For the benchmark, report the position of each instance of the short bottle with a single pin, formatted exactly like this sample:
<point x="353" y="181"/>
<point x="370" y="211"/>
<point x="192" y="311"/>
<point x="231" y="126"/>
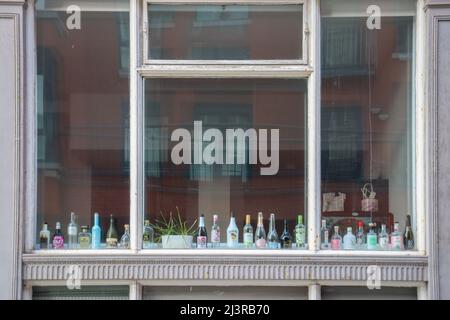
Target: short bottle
<point x="215" y="232"/>
<point x="286" y="239"/>
<point x="336" y="239"/>
<point x="272" y="236"/>
<point x="84" y="238"/>
<point x="396" y="238"/>
<point x="44" y="237"/>
<point x="260" y="233"/>
<point x="125" y="239"/>
<point x="248" y="232"/>
<point x="96" y="232"/>
<point x="349" y="240"/>
<point x="232" y="233"/>
<point x="324" y="236"/>
<point x="383" y="238"/>
<point x="112" y="236"/>
<point x="360" y="235"/>
<point x="58" y="238"/>
<point x="202" y="234"/>
<point x="300" y="233"/>
<point x="72" y="232"/>
<point x="372" y="239"/>
<point x="148" y="235"/>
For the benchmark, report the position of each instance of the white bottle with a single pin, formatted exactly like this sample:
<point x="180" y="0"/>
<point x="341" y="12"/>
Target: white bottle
<point x="72" y="232"/>
<point x="349" y="240"/>
<point x="232" y="233"/>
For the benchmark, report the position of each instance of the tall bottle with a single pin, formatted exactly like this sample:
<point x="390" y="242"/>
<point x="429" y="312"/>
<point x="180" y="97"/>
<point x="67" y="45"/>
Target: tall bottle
<point x="336" y="239"/>
<point x="202" y="234"/>
<point x="44" y="237"/>
<point x="96" y="232"/>
<point x="300" y="233"/>
<point x="125" y="239"/>
<point x="360" y="235"/>
<point x="215" y="232"/>
<point x="232" y="233"/>
<point x="72" y="232"/>
<point x="408" y="238"/>
<point x="272" y="236"/>
<point x="324" y="236"/>
<point x="260" y="233"/>
<point x="383" y="238"/>
<point x="248" y="232"/>
<point x="372" y="239"/>
<point x="349" y="240"/>
<point x="148" y="235"/>
<point x="286" y="239"/>
<point x="396" y="238"/>
<point x="58" y="238"/>
<point x="112" y="236"/>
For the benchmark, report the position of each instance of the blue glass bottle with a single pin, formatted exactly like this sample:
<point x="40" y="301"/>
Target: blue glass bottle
<point x="96" y="232"/>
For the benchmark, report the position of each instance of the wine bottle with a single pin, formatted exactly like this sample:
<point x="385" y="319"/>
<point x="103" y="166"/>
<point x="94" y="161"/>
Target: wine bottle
<point x="349" y="240"/>
<point x="72" y="231"/>
<point x="84" y="238"/>
<point x="372" y="239"/>
<point x="408" y="238"/>
<point x="324" y="235"/>
<point x="260" y="234"/>
<point x="125" y="239"/>
<point x="202" y="234"/>
<point x="286" y="239"/>
<point x="232" y="233"/>
<point x="300" y="232"/>
<point x="272" y="236"/>
<point x="396" y="238"/>
<point x="215" y="232"/>
<point x="148" y="235"/>
<point x="383" y="238"/>
<point x="336" y="239"/>
<point x="248" y="232"/>
<point x="44" y="237"/>
<point x="58" y="238"/>
<point x="112" y="236"/>
<point x="96" y="232"/>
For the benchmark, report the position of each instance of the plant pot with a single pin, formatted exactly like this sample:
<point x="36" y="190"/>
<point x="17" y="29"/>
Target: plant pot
<point x="176" y="242"/>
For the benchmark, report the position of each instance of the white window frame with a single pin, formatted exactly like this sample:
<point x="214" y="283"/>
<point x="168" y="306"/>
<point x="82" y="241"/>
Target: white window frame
<point x="140" y="70"/>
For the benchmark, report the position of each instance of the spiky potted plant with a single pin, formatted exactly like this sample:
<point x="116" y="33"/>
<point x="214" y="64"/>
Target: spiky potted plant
<point x="173" y="232"/>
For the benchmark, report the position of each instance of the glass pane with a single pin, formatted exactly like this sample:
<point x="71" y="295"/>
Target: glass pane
<point x="83" y="104"/>
<point x="363" y="293"/>
<point x="225" y="32"/>
<point x="195" y="165"/>
<point x="368" y="126"/>
<point x="83" y="293"/>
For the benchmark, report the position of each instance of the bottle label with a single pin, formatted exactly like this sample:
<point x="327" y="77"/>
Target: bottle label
<point x="72" y="230"/>
<point x="202" y="242"/>
<point x="410" y="244"/>
<point x="326" y="237"/>
<point x="349" y="243"/>
<point x="371" y="241"/>
<point x="95" y="240"/>
<point x="360" y="240"/>
<point x="58" y="242"/>
<point x="248" y="238"/>
<point x="261" y="243"/>
<point x="396" y="242"/>
<point x="84" y="242"/>
<point x="300" y="237"/>
<point x="335" y="244"/>
<point x="43" y="243"/>
<point x="273" y="245"/>
<point x="232" y="236"/>
<point x="383" y="242"/>
<point x="215" y="236"/>
<point x="111" y="242"/>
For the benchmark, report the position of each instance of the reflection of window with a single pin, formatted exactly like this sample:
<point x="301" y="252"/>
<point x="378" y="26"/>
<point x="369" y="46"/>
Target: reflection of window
<point x="124" y="46"/>
<point x="221" y="15"/>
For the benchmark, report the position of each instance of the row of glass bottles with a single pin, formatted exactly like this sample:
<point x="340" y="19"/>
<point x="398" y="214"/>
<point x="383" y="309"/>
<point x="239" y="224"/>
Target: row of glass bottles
<point x="251" y="239"/>
<point x="370" y="241"/>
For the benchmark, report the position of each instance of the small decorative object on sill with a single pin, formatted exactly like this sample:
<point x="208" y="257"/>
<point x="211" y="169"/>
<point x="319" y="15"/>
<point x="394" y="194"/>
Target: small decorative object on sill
<point x="333" y="201"/>
<point x="368" y="202"/>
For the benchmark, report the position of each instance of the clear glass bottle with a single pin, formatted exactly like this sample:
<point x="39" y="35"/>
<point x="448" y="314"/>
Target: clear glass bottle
<point x="125" y="239"/>
<point x="215" y="232"/>
<point x="336" y="239"/>
<point x="232" y="233"/>
<point x="148" y="237"/>
<point x="286" y="239"/>
<point x="360" y="236"/>
<point x="44" y="237"/>
<point x="202" y="234"/>
<point x="96" y="232"/>
<point x="300" y="233"/>
<point x="58" y="238"/>
<point x="72" y="232"/>
<point x="260" y="233"/>
<point x="372" y="239"/>
<point x="383" y="238"/>
<point x="324" y="236"/>
<point x="396" y="238"/>
<point x="84" y="238"/>
<point x="349" y="240"/>
<point x="248" y="232"/>
<point x="272" y="236"/>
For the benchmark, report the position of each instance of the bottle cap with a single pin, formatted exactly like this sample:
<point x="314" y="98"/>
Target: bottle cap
<point x="349" y="229"/>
